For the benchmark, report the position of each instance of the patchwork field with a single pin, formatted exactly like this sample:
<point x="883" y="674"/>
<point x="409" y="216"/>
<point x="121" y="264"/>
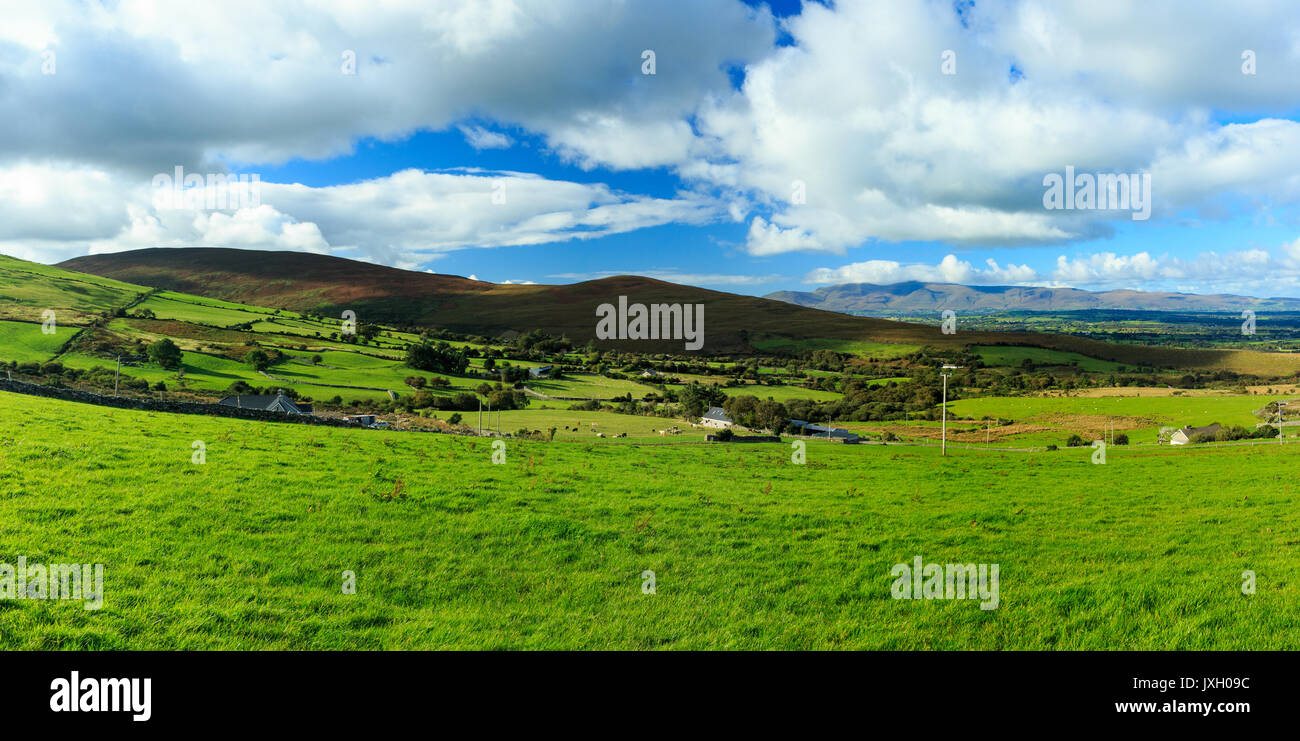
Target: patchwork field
<point x="866" y="349"/>
<point x="778" y="393"/>
<point x="1143" y="415"/>
<point x="248" y="550"/>
<point x="585" y="425"/>
<point x="1014" y="356"/>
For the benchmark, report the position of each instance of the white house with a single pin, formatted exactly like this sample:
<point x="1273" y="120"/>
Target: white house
<point x="716" y="417"/>
<point x="1185" y="434"/>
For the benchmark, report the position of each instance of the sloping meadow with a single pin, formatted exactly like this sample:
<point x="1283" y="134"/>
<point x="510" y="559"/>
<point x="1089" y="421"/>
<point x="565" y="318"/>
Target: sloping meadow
<point x="226" y="534"/>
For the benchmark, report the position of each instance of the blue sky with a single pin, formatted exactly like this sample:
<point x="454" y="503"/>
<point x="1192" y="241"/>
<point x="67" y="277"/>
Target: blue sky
<point x="775" y="146"/>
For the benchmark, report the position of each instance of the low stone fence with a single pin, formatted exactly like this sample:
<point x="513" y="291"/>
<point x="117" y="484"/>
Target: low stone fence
<point x="744" y="439"/>
<point x="173" y="407"/>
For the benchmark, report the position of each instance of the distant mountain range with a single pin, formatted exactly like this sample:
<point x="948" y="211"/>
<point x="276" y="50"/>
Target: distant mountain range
<point x="869" y="299"/>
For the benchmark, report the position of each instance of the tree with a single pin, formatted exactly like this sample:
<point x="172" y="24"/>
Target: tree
<point x="454" y="419"/>
<point x="696" y="398"/>
<point x="258" y="359"/>
<point x="165" y="353"/>
<point x="436" y="357"/>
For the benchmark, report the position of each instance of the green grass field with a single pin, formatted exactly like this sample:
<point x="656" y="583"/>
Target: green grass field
<point x="1145" y="415"/>
<point x="25" y="342"/>
<point x="881" y="350"/>
<point x="779" y="393"/>
<point x="1004" y="355"/>
<point x="583" y="425"/>
<point x="27" y="289"/>
<point x="179" y="306"/>
<point x="749" y="551"/>
<point x="587" y="386"/>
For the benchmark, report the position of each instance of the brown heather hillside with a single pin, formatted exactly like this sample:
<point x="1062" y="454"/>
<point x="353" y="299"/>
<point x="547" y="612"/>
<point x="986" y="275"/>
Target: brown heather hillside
<point x="328" y="285"/>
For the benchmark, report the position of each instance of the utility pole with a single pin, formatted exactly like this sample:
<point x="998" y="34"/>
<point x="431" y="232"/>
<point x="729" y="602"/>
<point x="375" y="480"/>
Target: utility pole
<point x="480" y="418"/>
<point x="1280" y="404"/>
<point x="944" y="434"/>
<point x="117" y="374"/>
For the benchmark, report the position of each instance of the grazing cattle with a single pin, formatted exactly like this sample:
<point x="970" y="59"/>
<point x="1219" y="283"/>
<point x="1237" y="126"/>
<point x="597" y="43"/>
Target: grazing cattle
<point x="600" y="434"/>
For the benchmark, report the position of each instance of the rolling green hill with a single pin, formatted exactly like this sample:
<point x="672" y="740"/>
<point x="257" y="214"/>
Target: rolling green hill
<point x="733" y="323"/>
<point x="28" y="289"/>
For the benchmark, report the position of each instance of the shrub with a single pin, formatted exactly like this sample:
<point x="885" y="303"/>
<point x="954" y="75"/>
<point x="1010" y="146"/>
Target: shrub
<point x="1074" y="441"/>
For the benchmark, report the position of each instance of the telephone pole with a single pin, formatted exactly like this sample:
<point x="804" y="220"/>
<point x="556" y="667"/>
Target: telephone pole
<point x="944" y="434"/>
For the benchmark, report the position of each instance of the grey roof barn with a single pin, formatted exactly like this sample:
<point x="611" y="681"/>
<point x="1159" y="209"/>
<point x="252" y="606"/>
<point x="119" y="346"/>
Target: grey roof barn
<point x="268" y="402"/>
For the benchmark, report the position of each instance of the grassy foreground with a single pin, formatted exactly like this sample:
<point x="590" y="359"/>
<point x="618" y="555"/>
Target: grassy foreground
<point x="247" y="550"/>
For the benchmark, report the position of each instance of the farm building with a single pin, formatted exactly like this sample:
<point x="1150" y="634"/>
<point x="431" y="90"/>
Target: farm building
<point x="542" y="371"/>
<point x="716" y="417"/>
<point x="1184" y="435"/>
<point x="277" y="402"/>
<point x="800" y="427"/>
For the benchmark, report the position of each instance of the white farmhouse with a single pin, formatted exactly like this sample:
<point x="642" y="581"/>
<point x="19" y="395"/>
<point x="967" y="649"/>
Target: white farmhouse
<point x="716" y="417"/>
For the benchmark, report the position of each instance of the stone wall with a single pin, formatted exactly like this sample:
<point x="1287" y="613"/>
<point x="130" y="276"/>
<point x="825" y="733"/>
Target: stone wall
<point x="744" y="439"/>
<point x="173" y="407"/>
